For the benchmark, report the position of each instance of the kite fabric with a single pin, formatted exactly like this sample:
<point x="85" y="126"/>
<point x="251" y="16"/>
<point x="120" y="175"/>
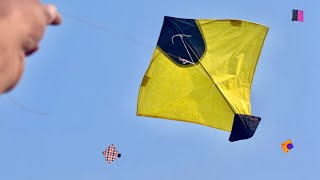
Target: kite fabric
<point x="201" y="72"/>
<point x="287" y="146"/>
<point x="111" y="154"/>
<point x="297" y="15"/>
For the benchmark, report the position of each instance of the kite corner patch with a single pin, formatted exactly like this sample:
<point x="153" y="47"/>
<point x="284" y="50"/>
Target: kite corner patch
<point x="145" y="81"/>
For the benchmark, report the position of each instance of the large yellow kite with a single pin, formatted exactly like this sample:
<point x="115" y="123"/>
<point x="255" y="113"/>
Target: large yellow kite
<point x="201" y="72"/>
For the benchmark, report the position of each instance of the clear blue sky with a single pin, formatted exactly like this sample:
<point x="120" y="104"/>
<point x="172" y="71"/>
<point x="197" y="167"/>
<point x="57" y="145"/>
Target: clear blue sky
<point x="87" y="80"/>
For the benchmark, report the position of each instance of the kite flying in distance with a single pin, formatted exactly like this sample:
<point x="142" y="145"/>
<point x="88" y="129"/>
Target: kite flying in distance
<point x="201" y="72"/>
<point x="287" y="146"/>
<point x="111" y="154"/>
<point x="297" y="15"/>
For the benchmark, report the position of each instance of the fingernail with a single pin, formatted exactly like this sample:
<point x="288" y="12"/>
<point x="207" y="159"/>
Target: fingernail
<point x="53" y="13"/>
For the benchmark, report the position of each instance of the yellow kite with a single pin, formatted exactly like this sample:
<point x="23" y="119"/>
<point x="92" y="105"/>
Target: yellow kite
<point x="201" y="72"/>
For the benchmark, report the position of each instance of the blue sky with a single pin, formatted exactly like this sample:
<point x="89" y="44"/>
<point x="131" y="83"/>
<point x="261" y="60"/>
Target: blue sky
<point x="87" y="80"/>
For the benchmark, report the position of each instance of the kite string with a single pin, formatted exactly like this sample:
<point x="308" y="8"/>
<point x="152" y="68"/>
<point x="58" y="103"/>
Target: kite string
<point x="24" y="107"/>
<point x="105" y="29"/>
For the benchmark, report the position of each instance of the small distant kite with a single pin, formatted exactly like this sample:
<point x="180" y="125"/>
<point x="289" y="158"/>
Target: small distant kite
<point x="297" y="15"/>
<point x="287" y="146"/>
<point x="111" y="154"/>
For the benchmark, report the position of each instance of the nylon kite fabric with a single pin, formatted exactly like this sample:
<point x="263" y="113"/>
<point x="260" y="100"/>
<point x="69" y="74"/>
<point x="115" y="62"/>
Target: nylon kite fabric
<point x="201" y="72"/>
<point x="111" y="154"/>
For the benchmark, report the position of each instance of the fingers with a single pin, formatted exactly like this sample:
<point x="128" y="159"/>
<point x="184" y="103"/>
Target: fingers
<point x="49" y="17"/>
<point x="53" y="17"/>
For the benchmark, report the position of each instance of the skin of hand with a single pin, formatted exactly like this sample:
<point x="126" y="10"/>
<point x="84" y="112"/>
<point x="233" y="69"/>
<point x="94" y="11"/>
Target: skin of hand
<point x="22" y="26"/>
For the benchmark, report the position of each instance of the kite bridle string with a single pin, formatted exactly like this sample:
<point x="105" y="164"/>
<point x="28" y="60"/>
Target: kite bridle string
<point x="184" y="60"/>
<point x="184" y="44"/>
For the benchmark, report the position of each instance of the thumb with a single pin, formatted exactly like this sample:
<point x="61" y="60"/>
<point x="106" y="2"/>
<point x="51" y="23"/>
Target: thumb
<point x="54" y="17"/>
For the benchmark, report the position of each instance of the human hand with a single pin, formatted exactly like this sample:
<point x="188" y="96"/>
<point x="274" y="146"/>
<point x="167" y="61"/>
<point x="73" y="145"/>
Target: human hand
<point x="22" y="26"/>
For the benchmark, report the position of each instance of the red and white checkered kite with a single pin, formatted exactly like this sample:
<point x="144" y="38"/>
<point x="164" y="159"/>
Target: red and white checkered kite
<point x="111" y="153"/>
